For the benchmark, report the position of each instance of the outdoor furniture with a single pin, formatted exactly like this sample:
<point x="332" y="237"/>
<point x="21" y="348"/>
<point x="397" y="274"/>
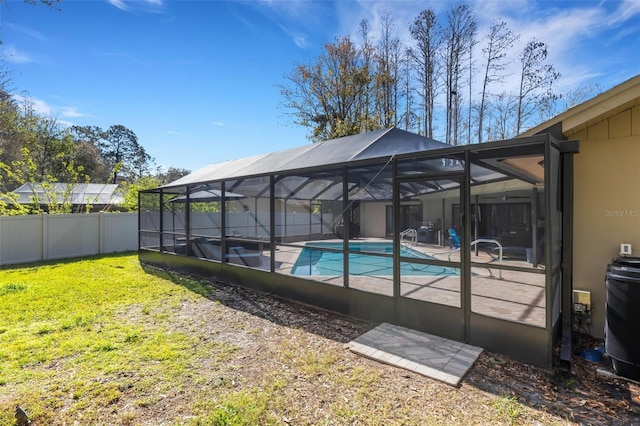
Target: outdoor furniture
<point x="237" y="254"/>
<point x="454" y="239"/>
<point x="204" y="248"/>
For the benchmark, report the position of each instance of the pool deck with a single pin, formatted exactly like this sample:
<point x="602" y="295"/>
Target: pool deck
<point x="509" y="295"/>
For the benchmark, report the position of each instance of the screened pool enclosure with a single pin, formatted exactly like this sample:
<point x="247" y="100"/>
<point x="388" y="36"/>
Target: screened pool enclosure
<point x="464" y="242"/>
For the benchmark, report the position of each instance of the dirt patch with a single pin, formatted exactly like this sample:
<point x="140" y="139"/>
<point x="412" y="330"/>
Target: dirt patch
<point x="274" y="339"/>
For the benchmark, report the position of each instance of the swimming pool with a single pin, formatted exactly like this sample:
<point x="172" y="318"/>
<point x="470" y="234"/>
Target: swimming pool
<point x="314" y="261"/>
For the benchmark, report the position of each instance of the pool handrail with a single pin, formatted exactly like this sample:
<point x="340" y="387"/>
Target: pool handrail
<point x="411" y="233"/>
<point x="484" y="240"/>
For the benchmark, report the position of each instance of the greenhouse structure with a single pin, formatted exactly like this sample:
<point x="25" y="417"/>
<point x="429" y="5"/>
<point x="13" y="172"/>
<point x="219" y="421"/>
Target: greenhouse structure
<point x="471" y="242"/>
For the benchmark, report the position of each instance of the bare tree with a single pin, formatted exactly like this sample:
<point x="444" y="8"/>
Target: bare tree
<point x="428" y="36"/>
<point x="459" y="38"/>
<point x="50" y="3"/>
<point x="536" y="82"/>
<point x="576" y="96"/>
<point x="471" y="70"/>
<point x="368" y="120"/>
<point x="501" y="118"/>
<point x="387" y="70"/>
<point x="499" y="40"/>
<point x="408" y="118"/>
<point x="324" y="95"/>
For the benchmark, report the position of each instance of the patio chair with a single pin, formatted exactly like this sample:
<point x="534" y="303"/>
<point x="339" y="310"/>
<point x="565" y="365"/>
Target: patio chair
<point x="454" y="239"/>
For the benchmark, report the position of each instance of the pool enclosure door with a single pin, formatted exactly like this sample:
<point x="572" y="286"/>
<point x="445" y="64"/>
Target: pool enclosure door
<point x="429" y="293"/>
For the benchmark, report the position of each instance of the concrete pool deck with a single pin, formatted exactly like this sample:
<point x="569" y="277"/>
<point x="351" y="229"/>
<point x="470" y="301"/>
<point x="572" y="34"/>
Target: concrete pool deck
<point x="514" y="296"/>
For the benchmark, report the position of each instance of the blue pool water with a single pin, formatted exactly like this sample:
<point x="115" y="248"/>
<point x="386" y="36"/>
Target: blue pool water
<point x="313" y="260"/>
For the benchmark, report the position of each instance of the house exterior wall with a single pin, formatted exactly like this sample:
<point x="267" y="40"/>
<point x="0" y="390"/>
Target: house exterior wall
<point x="606" y="202"/>
<point x="372" y="219"/>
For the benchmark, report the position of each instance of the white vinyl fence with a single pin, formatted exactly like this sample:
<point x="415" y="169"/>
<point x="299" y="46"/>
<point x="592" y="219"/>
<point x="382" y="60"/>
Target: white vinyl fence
<point x="34" y="238"/>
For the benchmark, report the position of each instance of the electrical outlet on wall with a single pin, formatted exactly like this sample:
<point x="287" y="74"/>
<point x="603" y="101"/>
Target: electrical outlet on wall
<point x="582" y="302"/>
<point x="625" y="249"/>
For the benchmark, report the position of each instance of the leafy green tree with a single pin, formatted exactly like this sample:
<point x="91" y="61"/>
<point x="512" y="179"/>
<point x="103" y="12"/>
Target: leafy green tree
<point x="119" y="147"/>
<point x="141" y="163"/>
<point x="120" y="151"/>
<point x="171" y="174"/>
<point x="324" y="94"/>
<point x="88" y="155"/>
<point x="131" y="190"/>
<point x="49" y="145"/>
<point x="44" y="191"/>
<point x="9" y="205"/>
<point x="11" y="135"/>
<point x="53" y="150"/>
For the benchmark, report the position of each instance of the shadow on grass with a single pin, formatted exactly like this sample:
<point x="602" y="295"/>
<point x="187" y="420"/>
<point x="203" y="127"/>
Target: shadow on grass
<point x="279" y="311"/>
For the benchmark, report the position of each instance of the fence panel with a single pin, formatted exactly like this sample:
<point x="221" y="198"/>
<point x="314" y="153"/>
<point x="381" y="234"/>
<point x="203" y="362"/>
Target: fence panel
<point x="34" y="238"/>
<point x="119" y="232"/>
<point x="71" y="235"/>
<point x="20" y="239"/>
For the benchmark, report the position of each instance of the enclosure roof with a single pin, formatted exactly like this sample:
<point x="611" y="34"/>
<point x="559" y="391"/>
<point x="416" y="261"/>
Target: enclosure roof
<point x="75" y="194"/>
<point x="376" y="144"/>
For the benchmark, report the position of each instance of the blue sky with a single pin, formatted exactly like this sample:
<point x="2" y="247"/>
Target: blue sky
<point x="197" y="80"/>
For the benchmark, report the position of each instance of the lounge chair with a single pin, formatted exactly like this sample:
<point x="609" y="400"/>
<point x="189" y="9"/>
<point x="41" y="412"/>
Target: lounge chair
<point x="203" y="248"/>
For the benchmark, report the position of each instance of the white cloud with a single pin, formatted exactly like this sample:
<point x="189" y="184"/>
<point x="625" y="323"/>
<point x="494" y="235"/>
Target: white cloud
<point x="173" y="133"/>
<point x="217" y="123"/>
<point x="627" y="10"/>
<point x="37" y="105"/>
<point x="296" y="18"/>
<point x="299" y="39"/>
<point x="138" y="5"/>
<point x="120" y="4"/>
<point x="42" y="107"/>
<point x="569" y="29"/>
<point x="15" y="56"/>
<point x="27" y="31"/>
<point x="570" y="34"/>
<point x="71" y="112"/>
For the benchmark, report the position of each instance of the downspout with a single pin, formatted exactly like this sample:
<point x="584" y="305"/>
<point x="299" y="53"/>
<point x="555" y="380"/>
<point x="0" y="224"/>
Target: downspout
<point x="548" y="252"/>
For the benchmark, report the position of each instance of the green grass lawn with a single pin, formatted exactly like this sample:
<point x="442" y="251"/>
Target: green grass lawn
<point x="75" y="335"/>
<point x="100" y="341"/>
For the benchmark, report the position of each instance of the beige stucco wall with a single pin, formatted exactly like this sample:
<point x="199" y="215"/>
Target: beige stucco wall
<point x="607" y="202"/>
<point x="372" y="220"/>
